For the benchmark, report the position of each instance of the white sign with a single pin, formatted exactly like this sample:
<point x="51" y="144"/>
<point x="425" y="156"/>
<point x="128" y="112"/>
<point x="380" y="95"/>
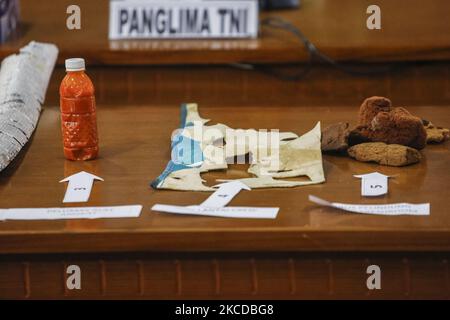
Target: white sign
<point x="139" y="19"/>
<point x="393" y="209"/>
<point x="79" y="187"/>
<point x="373" y="184"/>
<point x="132" y="211"/>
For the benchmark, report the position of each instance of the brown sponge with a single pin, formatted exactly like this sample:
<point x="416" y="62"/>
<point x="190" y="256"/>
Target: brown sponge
<point x="334" y="137"/>
<point x="385" y="154"/>
<point x="380" y="122"/>
<point x="371" y="107"/>
<point x="435" y="134"/>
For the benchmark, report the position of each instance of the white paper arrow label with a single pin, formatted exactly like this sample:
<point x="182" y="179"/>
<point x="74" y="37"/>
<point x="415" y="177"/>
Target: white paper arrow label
<point x="226" y="192"/>
<point x="79" y="187"/>
<point x="215" y="205"/>
<point x="225" y="212"/>
<point x="393" y="209"/>
<point x="373" y="184"/>
<point x="132" y="211"/>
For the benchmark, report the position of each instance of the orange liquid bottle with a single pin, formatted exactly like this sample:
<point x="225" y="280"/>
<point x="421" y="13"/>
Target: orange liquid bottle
<point x="78" y="116"/>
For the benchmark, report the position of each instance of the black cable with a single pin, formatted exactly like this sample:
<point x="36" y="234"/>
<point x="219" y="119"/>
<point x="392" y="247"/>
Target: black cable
<point x="313" y="53"/>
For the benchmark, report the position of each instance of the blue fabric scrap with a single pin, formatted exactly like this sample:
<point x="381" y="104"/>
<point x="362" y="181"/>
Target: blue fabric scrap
<point x="185" y="152"/>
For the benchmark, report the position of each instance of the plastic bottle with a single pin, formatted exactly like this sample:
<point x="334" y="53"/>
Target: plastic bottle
<point x="78" y="116"/>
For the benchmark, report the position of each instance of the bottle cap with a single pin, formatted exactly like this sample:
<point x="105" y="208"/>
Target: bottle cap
<point x="75" y="64"/>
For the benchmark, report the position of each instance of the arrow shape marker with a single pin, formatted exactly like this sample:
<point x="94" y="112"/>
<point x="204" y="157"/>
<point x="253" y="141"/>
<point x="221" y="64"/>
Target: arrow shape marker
<point x="226" y="192"/>
<point x="215" y="205"/>
<point x="79" y="187"/>
<point x="373" y="184"/>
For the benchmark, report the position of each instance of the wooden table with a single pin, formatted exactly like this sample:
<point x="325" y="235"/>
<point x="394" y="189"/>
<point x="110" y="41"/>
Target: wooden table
<point x="307" y="252"/>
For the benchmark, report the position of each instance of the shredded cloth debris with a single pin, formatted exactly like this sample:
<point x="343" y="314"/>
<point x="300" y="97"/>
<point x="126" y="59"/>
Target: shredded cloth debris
<point x="198" y="148"/>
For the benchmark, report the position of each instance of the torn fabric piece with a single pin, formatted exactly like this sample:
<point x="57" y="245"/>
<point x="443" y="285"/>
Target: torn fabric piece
<point x="198" y="148"/>
<point x="181" y="172"/>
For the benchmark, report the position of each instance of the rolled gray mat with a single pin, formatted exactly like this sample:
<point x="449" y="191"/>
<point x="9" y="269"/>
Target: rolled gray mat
<point x="24" y="78"/>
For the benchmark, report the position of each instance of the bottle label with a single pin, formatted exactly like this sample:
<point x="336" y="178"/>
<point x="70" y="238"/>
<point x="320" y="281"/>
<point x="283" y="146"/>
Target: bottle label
<point x="77" y="105"/>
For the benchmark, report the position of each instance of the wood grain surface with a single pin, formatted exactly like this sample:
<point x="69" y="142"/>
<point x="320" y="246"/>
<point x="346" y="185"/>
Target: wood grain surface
<point x="411" y="30"/>
<point x="409" y="84"/>
<point x="265" y="276"/>
<point x="134" y="144"/>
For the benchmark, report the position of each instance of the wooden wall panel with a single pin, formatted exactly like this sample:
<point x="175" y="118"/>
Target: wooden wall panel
<point x="213" y="276"/>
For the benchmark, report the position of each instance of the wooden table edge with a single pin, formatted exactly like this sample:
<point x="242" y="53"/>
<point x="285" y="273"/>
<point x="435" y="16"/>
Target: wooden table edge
<point x="225" y="241"/>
